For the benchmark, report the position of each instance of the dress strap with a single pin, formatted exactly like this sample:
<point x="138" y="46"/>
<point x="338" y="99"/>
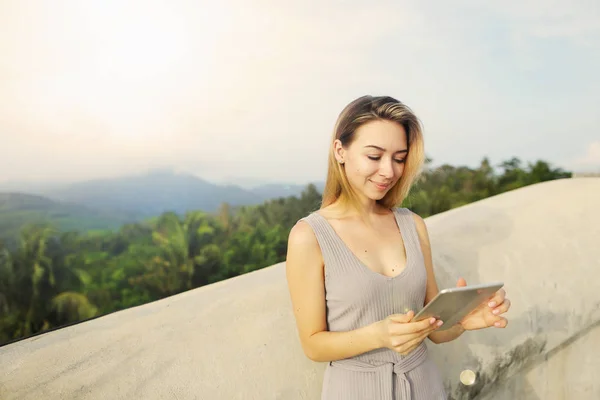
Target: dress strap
<point x="406" y="222"/>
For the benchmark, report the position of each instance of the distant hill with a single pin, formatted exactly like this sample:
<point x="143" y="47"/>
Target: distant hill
<point x="155" y="192"/>
<point x="18" y="209"/>
<point x="274" y="190"/>
<point x="110" y="203"/>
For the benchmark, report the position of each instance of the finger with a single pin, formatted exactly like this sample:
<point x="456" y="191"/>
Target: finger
<point x="498" y="298"/>
<point x="411" y="328"/>
<point x="427" y="330"/>
<point x="461" y="282"/>
<point x="402" y="318"/>
<point x="420" y="326"/>
<point x="411" y="338"/>
<point x="407" y="347"/>
<point x="424" y="334"/>
<point x="501" y="323"/>
<point x="431" y="327"/>
<point x="502" y="308"/>
<point x="412" y="343"/>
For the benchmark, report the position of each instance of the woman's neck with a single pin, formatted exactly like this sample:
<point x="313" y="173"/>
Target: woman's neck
<point x="367" y="209"/>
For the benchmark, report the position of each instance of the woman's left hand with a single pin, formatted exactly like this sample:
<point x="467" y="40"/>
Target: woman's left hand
<point x="488" y="313"/>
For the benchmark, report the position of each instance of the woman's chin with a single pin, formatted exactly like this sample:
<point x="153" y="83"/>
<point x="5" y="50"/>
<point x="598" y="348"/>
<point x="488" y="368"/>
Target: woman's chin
<point x="377" y="195"/>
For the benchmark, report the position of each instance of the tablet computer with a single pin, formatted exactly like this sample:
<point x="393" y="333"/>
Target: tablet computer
<point x="453" y="304"/>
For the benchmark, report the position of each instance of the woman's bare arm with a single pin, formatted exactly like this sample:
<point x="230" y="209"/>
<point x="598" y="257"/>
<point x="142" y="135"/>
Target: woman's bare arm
<point x="305" y="277"/>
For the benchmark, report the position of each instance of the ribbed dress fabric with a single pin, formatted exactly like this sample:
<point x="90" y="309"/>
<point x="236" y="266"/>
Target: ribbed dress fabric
<point x="357" y="296"/>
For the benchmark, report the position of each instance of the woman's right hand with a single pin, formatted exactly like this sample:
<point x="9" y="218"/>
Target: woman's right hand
<point x="398" y="333"/>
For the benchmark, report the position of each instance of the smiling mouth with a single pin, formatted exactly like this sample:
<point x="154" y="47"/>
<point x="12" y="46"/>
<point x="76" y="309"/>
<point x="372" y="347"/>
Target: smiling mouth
<point x="381" y="185"/>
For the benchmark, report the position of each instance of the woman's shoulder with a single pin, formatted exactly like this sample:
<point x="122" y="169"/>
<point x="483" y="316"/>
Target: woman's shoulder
<point x="419" y="221"/>
<point x="302" y="233"/>
<point x="302" y="241"/>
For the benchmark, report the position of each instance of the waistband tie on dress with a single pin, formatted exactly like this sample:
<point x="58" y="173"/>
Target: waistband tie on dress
<point x="386" y="371"/>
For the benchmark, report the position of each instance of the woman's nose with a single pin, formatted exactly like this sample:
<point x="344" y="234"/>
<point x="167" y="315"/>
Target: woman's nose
<point x="386" y="169"/>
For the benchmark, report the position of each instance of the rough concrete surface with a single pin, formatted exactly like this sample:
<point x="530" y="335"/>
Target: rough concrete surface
<point x="237" y="339"/>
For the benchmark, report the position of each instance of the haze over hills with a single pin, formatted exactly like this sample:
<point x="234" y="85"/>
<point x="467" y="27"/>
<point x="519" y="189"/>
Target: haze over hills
<point x="152" y="193"/>
<point x="158" y="191"/>
<point x="108" y="203"/>
<point x="18" y="209"/>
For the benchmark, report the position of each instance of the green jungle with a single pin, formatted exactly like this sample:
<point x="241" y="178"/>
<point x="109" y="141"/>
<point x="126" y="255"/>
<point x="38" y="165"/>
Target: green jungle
<point x="51" y="278"/>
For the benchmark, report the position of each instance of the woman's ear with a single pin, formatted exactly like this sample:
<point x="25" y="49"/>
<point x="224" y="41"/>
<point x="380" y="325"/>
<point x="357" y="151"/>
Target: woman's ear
<point x="339" y="151"/>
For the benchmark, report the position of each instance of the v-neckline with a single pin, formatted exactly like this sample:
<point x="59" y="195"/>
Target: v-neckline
<point x="359" y="261"/>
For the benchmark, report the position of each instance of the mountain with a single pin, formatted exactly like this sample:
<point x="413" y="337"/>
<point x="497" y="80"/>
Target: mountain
<point x="18" y="209"/>
<point x="274" y="190"/>
<point x="37" y="188"/>
<point x="158" y="191"/>
<point x="152" y="194"/>
<point x="109" y="203"/>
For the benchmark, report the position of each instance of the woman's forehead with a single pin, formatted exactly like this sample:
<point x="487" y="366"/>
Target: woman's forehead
<point x="383" y="136"/>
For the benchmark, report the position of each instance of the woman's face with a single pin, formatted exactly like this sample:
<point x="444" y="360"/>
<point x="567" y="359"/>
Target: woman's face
<point x="374" y="161"/>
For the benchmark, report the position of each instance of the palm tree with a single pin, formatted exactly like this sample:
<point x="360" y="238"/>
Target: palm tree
<point x="188" y="255"/>
<point x="43" y="281"/>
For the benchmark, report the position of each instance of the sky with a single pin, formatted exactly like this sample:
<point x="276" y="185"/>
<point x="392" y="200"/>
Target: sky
<point x="252" y="88"/>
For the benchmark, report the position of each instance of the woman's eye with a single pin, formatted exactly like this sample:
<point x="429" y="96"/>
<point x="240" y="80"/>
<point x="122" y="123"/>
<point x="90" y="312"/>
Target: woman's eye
<point x="375" y="158"/>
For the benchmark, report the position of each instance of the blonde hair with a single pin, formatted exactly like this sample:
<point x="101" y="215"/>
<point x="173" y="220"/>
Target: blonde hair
<point x="358" y="112"/>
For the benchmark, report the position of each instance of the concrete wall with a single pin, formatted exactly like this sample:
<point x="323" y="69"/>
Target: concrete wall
<point x="569" y="371"/>
<point x="237" y="339"/>
<point x="543" y="241"/>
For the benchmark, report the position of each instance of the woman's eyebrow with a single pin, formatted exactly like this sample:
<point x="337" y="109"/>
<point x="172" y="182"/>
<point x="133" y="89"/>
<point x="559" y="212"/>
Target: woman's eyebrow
<point x="382" y="149"/>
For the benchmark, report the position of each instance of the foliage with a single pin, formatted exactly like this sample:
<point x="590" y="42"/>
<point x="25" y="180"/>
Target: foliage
<point x="446" y="187"/>
<point x="51" y="279"/>
<point x="18" y="209"/>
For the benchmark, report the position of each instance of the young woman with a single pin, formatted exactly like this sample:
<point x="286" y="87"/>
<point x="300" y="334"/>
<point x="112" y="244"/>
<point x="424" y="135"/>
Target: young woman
<point x="360" y="267"/>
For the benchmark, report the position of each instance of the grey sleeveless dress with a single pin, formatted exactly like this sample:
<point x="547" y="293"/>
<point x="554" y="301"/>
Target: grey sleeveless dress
<point x="357" y="296"/>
